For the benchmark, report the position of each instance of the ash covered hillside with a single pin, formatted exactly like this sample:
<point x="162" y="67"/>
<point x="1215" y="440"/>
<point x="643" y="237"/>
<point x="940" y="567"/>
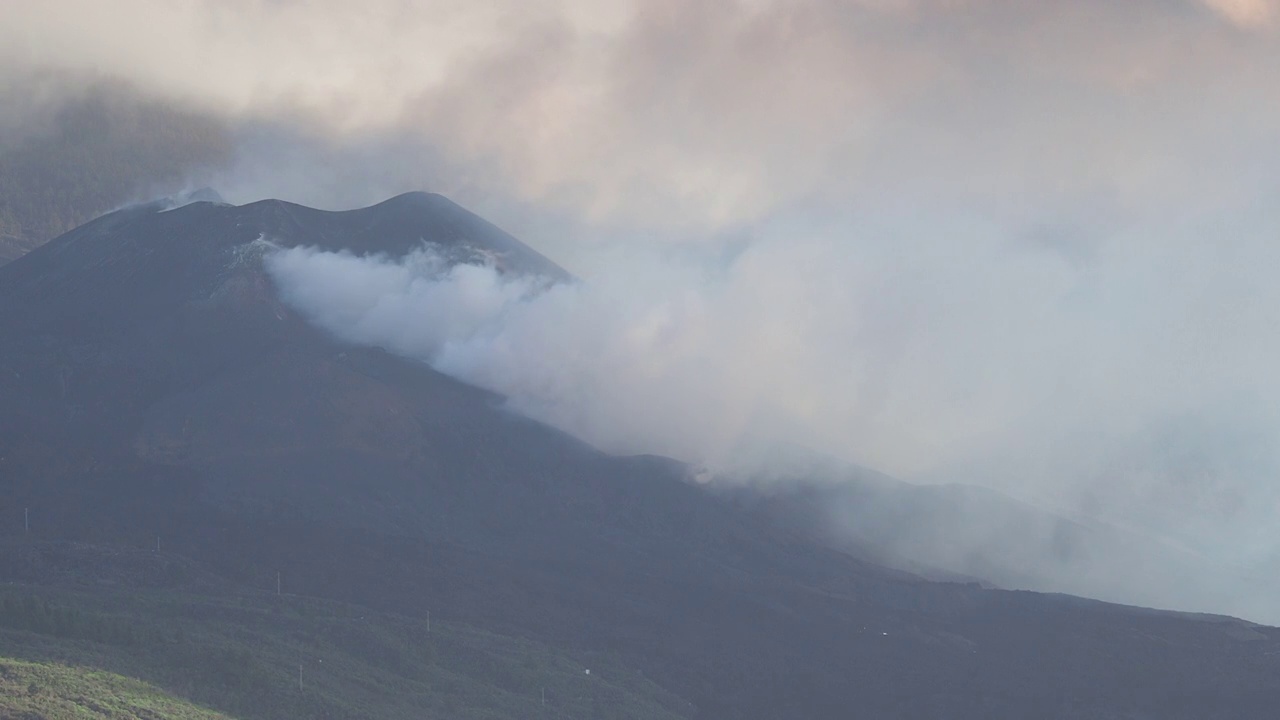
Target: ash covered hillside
<point x="155" y="385"/>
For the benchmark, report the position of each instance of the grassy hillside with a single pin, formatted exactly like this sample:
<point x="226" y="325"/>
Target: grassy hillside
<point x="171" y="654"/>
<point x="29" y="691"/>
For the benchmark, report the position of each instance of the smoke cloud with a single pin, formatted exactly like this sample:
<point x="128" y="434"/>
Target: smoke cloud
<point x="645" y="360"/>
<point x="1134" y="387"/>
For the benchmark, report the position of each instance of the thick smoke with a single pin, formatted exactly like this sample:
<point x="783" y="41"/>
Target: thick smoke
<point x="670" y="358"/>
<point x="1134" y="387"/>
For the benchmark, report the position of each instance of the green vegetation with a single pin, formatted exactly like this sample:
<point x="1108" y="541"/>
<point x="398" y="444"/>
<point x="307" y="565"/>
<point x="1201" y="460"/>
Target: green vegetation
<point x="289" y="657"/>
<point x="100" y="148"/>
<point x="46" y="691"/>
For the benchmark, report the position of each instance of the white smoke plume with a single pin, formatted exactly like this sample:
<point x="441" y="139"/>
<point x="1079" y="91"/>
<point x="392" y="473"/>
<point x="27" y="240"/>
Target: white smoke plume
<point x="1136" y="387"/>
<point x="1140" y="381"/>
<point x="647" y="360"/>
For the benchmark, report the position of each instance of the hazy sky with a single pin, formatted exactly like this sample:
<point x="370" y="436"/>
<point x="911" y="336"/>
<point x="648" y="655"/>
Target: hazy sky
<point x="1029" y="244"/>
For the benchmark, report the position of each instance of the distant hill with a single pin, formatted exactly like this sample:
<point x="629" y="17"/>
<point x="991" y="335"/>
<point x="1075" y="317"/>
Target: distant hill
<point x="98" y="148"/>
<point x="155" y="387"/>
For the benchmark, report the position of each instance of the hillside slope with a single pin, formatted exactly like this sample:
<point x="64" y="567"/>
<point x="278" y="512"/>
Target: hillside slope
<point x="257" y="656"/>
<point x="47" y="690"/>
<point x="156" y="387"/>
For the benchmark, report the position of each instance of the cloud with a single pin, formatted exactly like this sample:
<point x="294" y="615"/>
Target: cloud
<point x="700" y="116"/>
<point x="1252" y="14"/>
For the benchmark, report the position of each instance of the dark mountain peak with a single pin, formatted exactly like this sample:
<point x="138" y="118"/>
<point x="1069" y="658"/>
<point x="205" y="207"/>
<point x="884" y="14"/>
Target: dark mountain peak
<point x="396" y="227"/>
<point x="200" y="195"/>
<point x="418" y="199"/>
<point x="410" y="220"/>
<point x="150" y="259"/>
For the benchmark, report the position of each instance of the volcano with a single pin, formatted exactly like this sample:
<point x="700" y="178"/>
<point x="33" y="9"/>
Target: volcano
<point x="154" y="389"/>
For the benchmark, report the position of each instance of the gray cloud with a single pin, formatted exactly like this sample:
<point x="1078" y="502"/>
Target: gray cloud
<point x="696" y="115"/>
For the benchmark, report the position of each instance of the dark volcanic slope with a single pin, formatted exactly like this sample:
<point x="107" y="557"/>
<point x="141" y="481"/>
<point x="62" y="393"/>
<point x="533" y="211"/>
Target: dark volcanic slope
<point x="152" y="385"/>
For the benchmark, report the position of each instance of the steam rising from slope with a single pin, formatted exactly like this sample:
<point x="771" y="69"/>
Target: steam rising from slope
<point x="1137" y="387"/>
<point x="632" y="362"/>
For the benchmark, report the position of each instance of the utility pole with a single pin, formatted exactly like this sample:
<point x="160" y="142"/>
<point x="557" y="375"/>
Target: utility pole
<point x="278" y="595"/>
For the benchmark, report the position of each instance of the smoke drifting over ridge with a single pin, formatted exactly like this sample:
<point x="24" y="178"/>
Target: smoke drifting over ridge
<point x="651" y="361"/>
<point x="1143" y="384"/>
<point x="1024" y="244"/>
<point x="1141" y="393"/>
